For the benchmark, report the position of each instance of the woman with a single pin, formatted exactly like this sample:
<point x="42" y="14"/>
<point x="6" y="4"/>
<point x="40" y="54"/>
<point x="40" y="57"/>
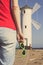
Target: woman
<point x="8" y="28"/>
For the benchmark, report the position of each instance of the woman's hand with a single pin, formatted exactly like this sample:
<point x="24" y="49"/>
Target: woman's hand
<point x="17" y="19"/>
<point x="20" y="37"/>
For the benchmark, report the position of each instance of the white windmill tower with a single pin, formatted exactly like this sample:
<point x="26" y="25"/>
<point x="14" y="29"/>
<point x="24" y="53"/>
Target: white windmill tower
<point x="27" y="21"/>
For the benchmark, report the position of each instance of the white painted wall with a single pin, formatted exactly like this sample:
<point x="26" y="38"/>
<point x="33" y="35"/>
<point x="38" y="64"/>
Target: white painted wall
<point x="26" y="21"/>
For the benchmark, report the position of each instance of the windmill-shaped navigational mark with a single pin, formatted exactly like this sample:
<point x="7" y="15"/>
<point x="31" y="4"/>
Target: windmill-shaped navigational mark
<point x="27" y="21"/>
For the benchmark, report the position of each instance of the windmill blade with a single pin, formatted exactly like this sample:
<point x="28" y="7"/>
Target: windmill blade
<point x="36" y="24"/>
<point x="35" y="8"/>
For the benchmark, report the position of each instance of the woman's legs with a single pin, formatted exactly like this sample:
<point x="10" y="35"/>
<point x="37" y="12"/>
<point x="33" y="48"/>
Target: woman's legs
<point x="7" y="46"/>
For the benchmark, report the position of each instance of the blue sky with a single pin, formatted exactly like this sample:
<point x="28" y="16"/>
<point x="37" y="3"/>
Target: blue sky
<point x="37" y="35"/>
